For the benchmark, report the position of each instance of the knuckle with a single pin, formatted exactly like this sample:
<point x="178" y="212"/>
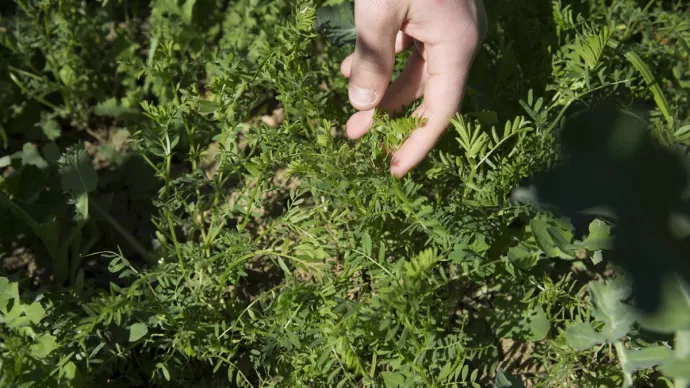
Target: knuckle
<point x="377" y="5"/>
<point x="470" y="22"/>
<point x="372" y="11"/>
<point x="374" y="16"/>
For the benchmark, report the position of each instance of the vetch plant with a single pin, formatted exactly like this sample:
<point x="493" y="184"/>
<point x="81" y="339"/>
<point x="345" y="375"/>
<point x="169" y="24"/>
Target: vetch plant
<point x="187" y="211"/>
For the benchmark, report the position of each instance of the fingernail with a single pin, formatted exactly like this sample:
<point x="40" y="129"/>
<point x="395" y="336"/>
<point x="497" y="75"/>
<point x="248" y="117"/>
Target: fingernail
<point x="361" y="96"/>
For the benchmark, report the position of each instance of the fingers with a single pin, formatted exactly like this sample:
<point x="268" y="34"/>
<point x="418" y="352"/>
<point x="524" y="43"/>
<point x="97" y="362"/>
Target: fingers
<point x="359" y="123"/>
<point x="404" y="90"/>
<point x="378" y="23"/>
<point x="448" y="63"/>
<point x="438" y="69"/>
<point x="448" y="69"/>
<point x="402" y="43"/>
<point x="408" y="87"/>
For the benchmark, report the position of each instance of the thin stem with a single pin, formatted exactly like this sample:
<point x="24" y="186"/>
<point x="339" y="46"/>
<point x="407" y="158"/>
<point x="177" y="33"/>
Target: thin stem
<point x="173" y="236"/>
<point x="250" y="206"/>
<point x="120" y="229"/>
<point x="374" y="261"/>
<point x="620" y="352"/>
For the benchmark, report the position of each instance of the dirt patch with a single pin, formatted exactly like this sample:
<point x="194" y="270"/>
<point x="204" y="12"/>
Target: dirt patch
<point x="516" y="357"/>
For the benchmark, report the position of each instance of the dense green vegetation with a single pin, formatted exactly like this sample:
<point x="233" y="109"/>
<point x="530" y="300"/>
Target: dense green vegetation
<point x="179" y="205"/>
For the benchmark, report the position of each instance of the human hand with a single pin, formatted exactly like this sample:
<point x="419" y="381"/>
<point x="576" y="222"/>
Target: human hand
<point x="446" y="34"/>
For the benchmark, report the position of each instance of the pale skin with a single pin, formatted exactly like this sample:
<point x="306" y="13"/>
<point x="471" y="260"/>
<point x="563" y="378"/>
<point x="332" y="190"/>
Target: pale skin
<point x="446" y="35"/>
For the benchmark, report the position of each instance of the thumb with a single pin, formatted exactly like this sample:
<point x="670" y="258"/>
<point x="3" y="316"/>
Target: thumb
<point x="377" y="23"/>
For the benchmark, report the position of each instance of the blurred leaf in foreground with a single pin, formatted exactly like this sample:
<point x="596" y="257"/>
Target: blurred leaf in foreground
<point x="614" y="164"/>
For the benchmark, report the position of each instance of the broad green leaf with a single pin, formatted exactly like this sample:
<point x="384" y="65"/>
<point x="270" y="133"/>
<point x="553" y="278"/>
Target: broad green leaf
<point x="663" y="382"/>
<point x="45" y="344"/>
<point x="392" y="379"/>
<point x="543" y="239"/>
<point x="682" y="344"/>
<point x="581" y="336"/>
<point x="15" y="318"/>
<point x="34" y="312"/>
<point x="8" y="291"/>
<point x="607" y="299"/>
<point x="562" y="240"/>
<point x="599" y="237"/>
<point x="31" y="156"/>
<point x="523" y="257"/>
<point x="337" y="23"/>
<point x="66" y="75"/>
<point x="51" y="128"/>
<point x="505" y="379"/>
<point x="478" y="244"/>
<point x="553" y="240"/>
<point x="68" y="371"/>
<point x="137" y="331"/>
<point x="253" y="169"/>
<point x="538" y="324"/>
<point x="78" y="179"/>
<point x="674" y="312"/>
<point x="597" y="257"/>
<point x="677" y="368"/>
<point x="646" y="358"/>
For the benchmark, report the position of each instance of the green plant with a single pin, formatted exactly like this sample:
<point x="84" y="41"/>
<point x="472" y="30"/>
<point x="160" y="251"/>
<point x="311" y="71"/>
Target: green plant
<point x="27" y="346"/>
<point x="281" y="254"/>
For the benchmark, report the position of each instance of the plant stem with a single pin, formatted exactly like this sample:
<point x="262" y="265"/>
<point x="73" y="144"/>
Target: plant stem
<point x="620" y="352"/>
<point x="127" y="236"/>
<point x="682" y="351"/>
